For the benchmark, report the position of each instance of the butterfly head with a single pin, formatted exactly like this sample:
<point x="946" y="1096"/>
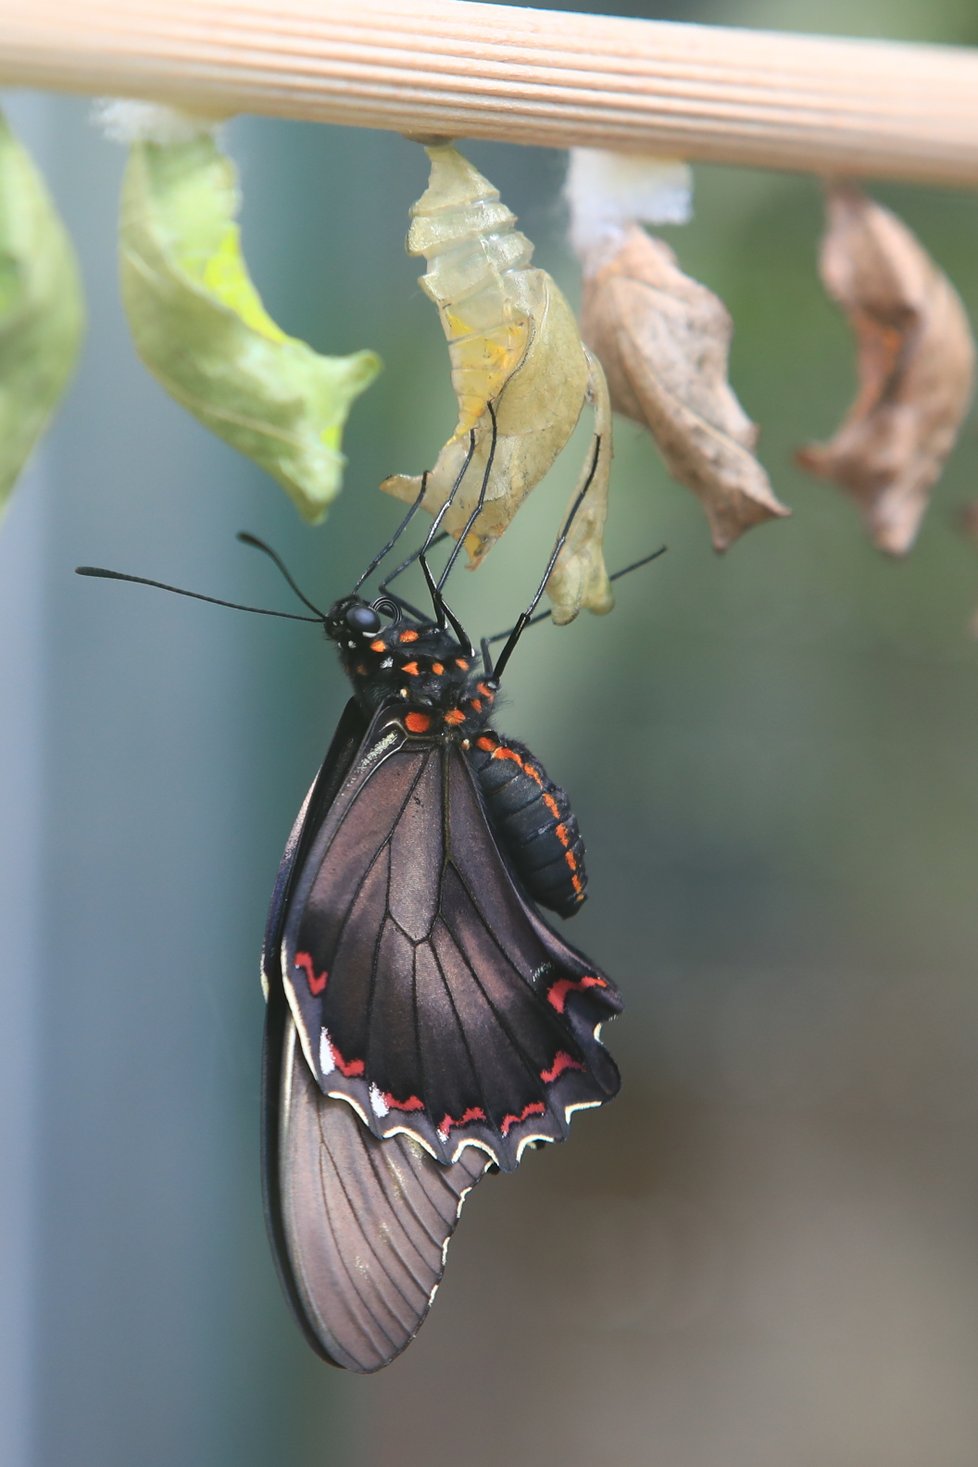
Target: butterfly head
<point x="353" y="623"/>
<point x="394" y="658"/>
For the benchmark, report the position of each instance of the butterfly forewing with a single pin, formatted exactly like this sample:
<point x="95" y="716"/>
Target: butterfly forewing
<point x="364" y="1223"/>
<point x="425" y="989"/>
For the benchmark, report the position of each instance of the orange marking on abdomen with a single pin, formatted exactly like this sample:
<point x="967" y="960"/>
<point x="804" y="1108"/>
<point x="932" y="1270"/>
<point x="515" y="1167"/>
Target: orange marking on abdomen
<point x="502" y="752"/>
<point x="316" y="981"/>
<point x="417" y="723"/>
<point x="562" y="1061"/>
<point x="557" y="992"/>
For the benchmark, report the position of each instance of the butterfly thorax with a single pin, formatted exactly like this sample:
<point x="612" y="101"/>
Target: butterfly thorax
<point x="414" y="663"/>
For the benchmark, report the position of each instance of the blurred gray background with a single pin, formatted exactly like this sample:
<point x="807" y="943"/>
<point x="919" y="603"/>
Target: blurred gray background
<point x="765" y="1252"/>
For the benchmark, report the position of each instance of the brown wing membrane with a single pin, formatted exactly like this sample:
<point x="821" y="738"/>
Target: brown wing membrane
<point x="359" y="1228"/>
<point x="365" y="1224"/>
<point x="425" y="988"/>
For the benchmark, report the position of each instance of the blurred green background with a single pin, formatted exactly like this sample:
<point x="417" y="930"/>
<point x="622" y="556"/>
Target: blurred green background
<point x="765" y="1251"/>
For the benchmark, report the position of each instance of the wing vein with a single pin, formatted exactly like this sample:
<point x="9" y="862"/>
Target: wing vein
<point x="374" y="963"/>
<point x="498" y="1013"/>
<point x="368" y="869"/>
<point x="341" y="1252"/>
<point x="461" y="1027"/>
<point x="386" y="1182"/>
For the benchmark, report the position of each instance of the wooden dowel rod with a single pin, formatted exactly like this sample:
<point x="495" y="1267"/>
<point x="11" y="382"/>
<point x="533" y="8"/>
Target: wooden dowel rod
<point x="459" y="69"/>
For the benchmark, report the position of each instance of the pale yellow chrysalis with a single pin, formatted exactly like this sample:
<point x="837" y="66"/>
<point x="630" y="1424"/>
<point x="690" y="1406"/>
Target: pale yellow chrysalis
<point x="514" y="343"/>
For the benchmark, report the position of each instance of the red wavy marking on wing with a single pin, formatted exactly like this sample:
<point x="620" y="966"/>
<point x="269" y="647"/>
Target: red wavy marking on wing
<point x="317" y="981"/>
<point x="413" y="1102"/>
<point x="535" y="1108"/>
<point x="348" y="1067"/>
<point x="562" y="1061"/>
<point x="451" y="1123"/>
<point x="557" y="992"/>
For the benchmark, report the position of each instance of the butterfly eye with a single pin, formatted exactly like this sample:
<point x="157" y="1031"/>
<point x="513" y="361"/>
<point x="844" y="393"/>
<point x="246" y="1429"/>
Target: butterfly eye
<point x="362" y="619"/>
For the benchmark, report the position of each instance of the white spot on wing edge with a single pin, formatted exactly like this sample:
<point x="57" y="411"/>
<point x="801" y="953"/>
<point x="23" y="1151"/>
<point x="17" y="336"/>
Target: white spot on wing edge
<point x="378" y="1104"/>
<point x="327" y="1060"/>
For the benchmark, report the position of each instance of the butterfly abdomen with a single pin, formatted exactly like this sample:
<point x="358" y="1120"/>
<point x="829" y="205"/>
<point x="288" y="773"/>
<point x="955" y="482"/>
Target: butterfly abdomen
<point x="533" y="821"/>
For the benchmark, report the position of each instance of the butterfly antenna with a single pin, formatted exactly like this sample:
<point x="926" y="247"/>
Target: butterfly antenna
<point x="256" y="544"/>
<point x="461" y="539"/>
<point x="382" y="554"/>
<point x="527" y="616"/>
<point x="435" y="533"/>
<point x="545" y="615"/>
<point x="626" y="570"/>
<point x="111" y="575"/>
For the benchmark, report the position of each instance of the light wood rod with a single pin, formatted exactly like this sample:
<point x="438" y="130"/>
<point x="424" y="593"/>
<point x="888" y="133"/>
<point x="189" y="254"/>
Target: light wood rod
<point x="459" y="69"/>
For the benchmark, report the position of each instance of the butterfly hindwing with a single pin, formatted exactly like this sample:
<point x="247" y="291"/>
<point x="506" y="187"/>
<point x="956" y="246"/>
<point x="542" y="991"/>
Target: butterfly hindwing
<point x="426" y="990"/>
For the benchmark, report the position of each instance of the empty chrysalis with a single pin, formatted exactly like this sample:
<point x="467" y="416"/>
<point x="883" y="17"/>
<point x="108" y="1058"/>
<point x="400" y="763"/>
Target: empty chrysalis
<point x="42" y="313"/>
<point x="200" y="327"/>
<point x="516" y="354"/>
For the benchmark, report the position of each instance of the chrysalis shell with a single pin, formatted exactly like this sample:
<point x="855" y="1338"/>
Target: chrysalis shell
<point x="514" y="343"/>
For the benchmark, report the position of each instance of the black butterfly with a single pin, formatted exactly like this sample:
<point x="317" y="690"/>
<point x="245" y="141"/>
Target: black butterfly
<point x="409" y="975"/>
<point x="424" y="1023"/>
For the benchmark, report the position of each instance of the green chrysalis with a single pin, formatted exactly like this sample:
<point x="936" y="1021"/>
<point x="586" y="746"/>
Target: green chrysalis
<point x="201" y="329"/>
<point x="42" y="313"/>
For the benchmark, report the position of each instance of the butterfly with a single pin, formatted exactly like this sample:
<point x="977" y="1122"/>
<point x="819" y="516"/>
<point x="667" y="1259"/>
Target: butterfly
<point x="425" y="1023"/>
